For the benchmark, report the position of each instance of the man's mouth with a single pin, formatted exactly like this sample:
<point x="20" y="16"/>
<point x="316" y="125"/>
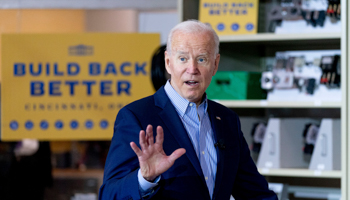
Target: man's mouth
<point x="191" y="82"/>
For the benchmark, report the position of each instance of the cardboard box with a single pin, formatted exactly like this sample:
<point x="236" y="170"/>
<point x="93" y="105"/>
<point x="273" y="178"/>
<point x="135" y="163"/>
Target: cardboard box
<point x="230" y="17"/>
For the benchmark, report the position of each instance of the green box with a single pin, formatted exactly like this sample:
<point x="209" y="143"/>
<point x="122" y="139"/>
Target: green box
<point x="236" y="85"/>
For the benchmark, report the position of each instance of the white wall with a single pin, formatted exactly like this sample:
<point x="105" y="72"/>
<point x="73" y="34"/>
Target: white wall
<point x="158" y="22"/>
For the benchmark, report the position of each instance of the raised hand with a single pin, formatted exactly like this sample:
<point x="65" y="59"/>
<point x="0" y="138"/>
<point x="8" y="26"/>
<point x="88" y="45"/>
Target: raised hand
<point x="153" y="161"/>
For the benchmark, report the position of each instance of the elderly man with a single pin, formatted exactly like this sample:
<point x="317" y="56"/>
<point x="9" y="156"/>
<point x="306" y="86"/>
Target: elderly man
<point x="199" y="151"/>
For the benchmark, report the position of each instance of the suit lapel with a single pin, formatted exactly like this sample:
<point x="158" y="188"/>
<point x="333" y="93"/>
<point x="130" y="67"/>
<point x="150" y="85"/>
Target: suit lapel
<point x="217" y="126"/>
<point x="173" y="123"/>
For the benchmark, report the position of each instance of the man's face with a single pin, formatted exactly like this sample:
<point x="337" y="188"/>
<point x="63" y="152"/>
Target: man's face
<point x="191" y="64"/>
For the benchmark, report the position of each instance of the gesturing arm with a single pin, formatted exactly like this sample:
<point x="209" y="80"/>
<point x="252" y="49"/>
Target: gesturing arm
<point x="153" y="161"/>
<point x="123" y="161"/>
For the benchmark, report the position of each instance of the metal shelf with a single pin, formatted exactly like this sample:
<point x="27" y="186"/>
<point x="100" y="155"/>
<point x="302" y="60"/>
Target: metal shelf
<point x="279" y="104"/>
<point x="76" y="173"/>
<point x="283" y="42"/>
<point x="265" y="37"/>
<point x="300" y="173"/>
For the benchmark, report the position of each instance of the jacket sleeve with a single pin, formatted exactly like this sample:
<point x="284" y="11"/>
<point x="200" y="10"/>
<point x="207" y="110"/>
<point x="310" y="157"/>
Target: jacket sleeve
<point x="249" y="183"/>
<point x="120" y="174"/>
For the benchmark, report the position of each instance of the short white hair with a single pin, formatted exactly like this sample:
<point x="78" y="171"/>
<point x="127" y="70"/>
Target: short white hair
<point x="193" y="26"/>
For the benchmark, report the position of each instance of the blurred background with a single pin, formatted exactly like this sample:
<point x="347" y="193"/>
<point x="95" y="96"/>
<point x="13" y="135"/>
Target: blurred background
<point x="280" y="70"/>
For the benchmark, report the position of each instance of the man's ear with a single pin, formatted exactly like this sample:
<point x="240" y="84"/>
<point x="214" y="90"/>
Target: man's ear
<point x="217" y="60"/>
<point x="167" y="62"/>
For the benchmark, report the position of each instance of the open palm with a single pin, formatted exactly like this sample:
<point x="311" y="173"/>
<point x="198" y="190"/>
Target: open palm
<point x="152" y="158"/>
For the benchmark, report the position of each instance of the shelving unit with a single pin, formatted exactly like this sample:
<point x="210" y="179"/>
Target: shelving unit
<point x="279" y="104"/>
<point x="268" y="37"/>
<point x="300" y="173"/>
<point x="246" y="52"/>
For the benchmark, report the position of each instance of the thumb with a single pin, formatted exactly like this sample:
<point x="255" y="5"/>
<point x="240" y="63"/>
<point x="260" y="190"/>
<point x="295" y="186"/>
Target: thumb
<point x="177" y="154"/>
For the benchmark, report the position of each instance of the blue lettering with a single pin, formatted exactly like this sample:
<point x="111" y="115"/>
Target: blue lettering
<point x="124" y="86"/>
<point x="122" y="66"/>
<point x="110" y="68"/>
<point x="56" y="72"/>
<point x="106" y="88"/>
<point x="54" y="88"/>
<point x="47" y="69"/>
<point x="73" y="69"/>
<point x="141" y="68"/>
<point x="36" y="88"/>
<point x="71" y="84"/>
<point x="19" y="69"/>
<point x="94" y="68"/>
<point x="31" y="69"/>
<point x="88" y="86"/>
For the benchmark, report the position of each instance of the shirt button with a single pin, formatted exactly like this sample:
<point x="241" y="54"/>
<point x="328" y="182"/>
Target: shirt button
<point x="203" y="152"/>
<point x="206" y="178"/>
<point x="191" y="104"/>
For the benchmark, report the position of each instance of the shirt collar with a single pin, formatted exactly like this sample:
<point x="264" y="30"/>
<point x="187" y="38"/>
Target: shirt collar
<point x="179" y="102"/>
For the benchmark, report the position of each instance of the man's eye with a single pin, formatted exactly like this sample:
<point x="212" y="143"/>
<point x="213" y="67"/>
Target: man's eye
<point x="183" y="59"/>
<point x="201" y="60"/>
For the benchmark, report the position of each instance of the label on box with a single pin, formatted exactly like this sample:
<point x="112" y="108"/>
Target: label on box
<point x="230" y="17"/>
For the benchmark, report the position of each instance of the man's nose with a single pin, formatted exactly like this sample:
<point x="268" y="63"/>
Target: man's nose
<point x="192" y="68"/>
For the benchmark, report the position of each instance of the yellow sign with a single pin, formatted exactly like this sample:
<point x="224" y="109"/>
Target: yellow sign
<point x="230" y="17"/>
<point x="71" y="86"/>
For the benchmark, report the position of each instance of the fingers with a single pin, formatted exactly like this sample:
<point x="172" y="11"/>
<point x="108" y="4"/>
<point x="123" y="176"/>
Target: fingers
<point x="160" y="135"/>
<point x="143" y="140"/>
<point x="149" y="135"/>
<point x="177" y="154"/>
<point x="146" y="139"/>
<point x="136" y="149"/>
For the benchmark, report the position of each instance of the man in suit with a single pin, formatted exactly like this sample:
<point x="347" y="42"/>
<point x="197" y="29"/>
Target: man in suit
<point x="199" y="151"/>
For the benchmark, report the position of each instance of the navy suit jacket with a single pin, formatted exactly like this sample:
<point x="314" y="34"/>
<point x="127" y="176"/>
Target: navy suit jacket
<point x="236" y="172"/>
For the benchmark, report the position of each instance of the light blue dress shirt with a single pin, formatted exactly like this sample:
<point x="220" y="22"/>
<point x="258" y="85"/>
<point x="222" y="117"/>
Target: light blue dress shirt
<point x="197" y="124"/>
